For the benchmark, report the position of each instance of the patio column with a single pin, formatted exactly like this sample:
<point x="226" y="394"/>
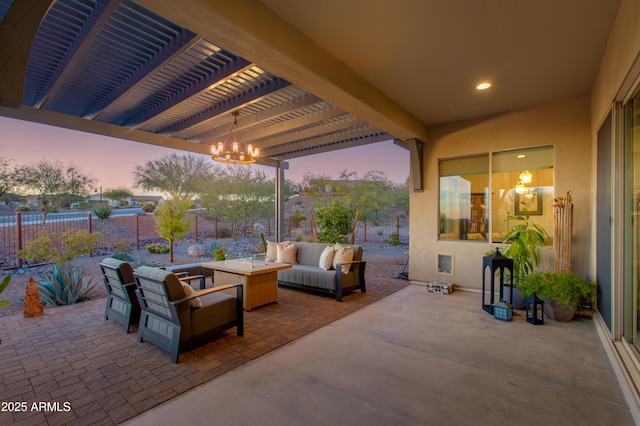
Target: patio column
<point x="279" y="231"/>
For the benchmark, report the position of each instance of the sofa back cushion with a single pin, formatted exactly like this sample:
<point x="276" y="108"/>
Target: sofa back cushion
<point x="309" y="253"/>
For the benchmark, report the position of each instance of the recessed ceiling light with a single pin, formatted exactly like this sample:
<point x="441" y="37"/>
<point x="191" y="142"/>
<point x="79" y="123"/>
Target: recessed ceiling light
<point x="483" y="86"/>
<point x="520" y="155"/>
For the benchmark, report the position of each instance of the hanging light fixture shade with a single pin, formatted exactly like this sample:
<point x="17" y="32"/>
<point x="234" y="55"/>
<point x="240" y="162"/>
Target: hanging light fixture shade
<point x="526" y="177"/>
<point x="230" y="151"/>
<point x="521" y="188"/>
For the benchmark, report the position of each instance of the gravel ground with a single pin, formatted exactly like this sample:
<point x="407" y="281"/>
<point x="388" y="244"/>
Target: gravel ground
<point x="382" y="259"/>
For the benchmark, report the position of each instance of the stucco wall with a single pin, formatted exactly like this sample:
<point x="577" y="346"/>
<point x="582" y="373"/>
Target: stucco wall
<point x="565" y="125"/>
<point x="623" y="51"/>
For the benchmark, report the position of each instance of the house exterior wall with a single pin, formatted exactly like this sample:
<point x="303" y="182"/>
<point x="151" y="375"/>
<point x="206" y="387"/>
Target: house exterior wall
<point x="564" y="124"/>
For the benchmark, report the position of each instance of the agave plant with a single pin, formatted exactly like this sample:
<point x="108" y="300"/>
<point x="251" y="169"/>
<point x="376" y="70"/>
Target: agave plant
<point x="3" y="285"/>
<point x="64" y="285"/>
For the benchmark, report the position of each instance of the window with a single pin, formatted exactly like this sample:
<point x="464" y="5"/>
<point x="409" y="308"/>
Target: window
<point x="464" y="185"/>
<point x="520" y="180"/>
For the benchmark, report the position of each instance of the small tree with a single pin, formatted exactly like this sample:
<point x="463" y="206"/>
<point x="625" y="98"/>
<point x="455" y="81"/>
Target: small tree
<point x="333" y="222"/>
<point x="175" y="175"/>
<point x="172" y="222"/>
<point x="7" y="176"/>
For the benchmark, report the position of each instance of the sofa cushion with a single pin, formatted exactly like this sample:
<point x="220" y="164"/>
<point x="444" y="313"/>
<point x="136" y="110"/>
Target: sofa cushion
<point x="344" y="255"/>
<point x="189" y="291"/>
<point x="326" y="258"/>
<point x="272" y="250"/>
<point x="287" y="253"/>
<point x="309" y="276"/>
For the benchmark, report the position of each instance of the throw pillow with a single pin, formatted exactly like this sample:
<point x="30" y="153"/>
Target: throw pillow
<point x="272" y="250"/>
<point x="287" y="254"/>
<point x="326" y="258"/>
<point x="342" y="255"/>
<point x="188" y="291"/>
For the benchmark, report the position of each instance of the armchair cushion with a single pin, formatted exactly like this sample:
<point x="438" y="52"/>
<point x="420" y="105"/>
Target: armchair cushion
<point x="189" y="291"/>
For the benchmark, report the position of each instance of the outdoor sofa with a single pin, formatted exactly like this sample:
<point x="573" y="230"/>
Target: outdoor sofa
<point x="306" y="271"/>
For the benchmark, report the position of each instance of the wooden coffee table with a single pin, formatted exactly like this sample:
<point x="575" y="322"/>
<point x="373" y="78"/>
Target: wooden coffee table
<point x="259" y="280"/>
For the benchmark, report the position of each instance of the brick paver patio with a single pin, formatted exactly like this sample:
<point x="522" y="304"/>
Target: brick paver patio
<point x="87" y="371"/>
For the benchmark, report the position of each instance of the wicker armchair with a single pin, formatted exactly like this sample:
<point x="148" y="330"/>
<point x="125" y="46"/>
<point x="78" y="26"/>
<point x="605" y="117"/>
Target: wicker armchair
<point x="174" y="317"/>
<point x="122" y="303"/>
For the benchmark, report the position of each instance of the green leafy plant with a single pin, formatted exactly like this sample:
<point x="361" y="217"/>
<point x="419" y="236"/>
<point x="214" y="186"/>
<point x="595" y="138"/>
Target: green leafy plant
<point x="103" y="211"/>
<point x="565" y="288"/>
<point x="64" y="285"/>
<point x="333" y="222"/>
<point x="3" y="286"/>
<point x="523" y="241"/>
<point x="157" y="248"/>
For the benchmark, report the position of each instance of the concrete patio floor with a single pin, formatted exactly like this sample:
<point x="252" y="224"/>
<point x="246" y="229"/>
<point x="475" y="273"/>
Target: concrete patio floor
<point x="416" y="358"/>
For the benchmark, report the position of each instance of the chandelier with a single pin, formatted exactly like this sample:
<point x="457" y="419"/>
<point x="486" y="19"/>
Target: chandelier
<point x="235" y="155"/>
<point x="526" y="177"/>
<point x="521" y="188"/>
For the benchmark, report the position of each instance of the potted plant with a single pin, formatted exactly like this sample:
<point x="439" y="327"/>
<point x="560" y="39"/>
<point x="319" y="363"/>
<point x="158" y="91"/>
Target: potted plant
<point x="522" y="243"/>
<point x="561" y="292"/>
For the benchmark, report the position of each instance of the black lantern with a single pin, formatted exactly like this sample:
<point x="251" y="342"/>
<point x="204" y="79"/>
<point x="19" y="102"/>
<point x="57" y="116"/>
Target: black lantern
<point x="535" y="310"/>
<point x="496" y="262"/>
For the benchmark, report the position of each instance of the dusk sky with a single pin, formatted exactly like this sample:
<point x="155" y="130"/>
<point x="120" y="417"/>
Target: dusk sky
<point x="110" y="161"/>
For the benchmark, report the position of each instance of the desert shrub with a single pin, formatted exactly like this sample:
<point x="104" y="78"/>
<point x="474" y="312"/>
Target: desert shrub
<point x="380" y="232"/>
<point x="125" y="257"/>
<point x="224" y="232"/>
<point x="297" y="218"/>
<point x="157" y="248"/>
<point x="23" y="208"/>
<point x="219" y="254"/>
<point x="394" y="239"/>
<point x="60" y="249"/>
<point x="123" y="203"/>
<point x="123" y="246"/>
<point x="148" y="207"/>
<point x="64" y="285"/>
<point x="103" y="211"/>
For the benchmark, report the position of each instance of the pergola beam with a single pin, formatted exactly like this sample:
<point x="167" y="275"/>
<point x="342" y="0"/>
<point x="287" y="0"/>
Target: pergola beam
<point x="250" y="29"/>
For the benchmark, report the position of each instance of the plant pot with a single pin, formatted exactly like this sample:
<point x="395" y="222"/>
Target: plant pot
<point x="518" y="300"/>
<point x="557" y="312"/>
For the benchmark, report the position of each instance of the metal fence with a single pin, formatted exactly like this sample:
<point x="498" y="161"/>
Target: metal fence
<point x="136" y="231"/>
